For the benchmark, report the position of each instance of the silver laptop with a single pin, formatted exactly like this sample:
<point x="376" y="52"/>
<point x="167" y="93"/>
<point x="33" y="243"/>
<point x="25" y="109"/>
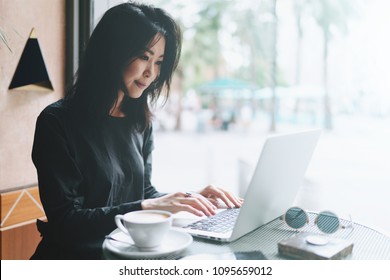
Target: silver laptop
<point x="272" y="190"/>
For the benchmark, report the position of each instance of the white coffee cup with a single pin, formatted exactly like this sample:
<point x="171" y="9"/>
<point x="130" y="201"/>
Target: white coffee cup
<point x="147" y="228"/>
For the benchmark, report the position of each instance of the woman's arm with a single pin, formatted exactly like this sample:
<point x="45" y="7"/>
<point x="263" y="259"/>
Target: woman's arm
<point x="60" y="181"/>
<point x="148" y="146"/>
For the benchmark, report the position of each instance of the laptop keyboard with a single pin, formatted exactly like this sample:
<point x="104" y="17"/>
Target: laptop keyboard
<point x="221" y="222"/>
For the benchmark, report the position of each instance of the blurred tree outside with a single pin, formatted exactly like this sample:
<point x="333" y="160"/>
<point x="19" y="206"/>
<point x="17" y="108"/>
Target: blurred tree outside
<point x="253" y="28"/>
<point x="329" y="15"/>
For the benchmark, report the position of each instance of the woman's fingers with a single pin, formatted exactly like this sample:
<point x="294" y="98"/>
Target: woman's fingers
<point x="236" y="201"/>
<point x="221" y="195"/>
<point x="214" y="201"/>
<point x="205" y="203"/>
<point x="190" y="209"/>
<point x="200" y="203"/>
<point x="190" y="202"/>
<point x="229" y="199"/>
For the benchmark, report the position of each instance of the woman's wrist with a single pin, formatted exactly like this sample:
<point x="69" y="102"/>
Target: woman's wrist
<point x="146" y="204"/>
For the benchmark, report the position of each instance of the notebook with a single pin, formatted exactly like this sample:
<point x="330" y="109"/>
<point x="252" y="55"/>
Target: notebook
<point x="275" y="182"/>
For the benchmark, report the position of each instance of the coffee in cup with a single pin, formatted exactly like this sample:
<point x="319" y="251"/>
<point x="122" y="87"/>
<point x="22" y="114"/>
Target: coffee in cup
<point x="147" y="228"/>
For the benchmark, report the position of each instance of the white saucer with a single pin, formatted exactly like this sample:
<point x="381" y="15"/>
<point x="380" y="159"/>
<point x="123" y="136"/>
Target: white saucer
<point x="173" y="243"/>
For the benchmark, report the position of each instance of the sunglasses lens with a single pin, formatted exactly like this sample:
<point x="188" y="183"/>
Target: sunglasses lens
<point x="295" y="217"/>
<point x="328" y="222"/>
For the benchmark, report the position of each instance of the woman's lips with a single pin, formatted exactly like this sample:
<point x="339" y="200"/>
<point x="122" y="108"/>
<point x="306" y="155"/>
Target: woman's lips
<point x="140" y="85"/>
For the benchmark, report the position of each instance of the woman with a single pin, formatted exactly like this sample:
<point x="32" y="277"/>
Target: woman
<point x="92" y="149"/>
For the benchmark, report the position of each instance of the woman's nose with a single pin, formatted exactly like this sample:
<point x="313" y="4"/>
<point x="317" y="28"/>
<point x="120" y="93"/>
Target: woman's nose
<point x="149" y="71"/>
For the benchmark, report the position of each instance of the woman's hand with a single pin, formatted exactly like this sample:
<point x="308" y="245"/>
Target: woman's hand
<point x="191" y="202"/>
<point x="205" y="202"/>
<point x="215" y="194"/>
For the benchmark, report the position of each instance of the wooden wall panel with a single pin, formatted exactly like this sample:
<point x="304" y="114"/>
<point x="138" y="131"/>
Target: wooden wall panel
<point x="20" y="242"/>
<point x="18" y="232"/>
<point x="20" y="206"/>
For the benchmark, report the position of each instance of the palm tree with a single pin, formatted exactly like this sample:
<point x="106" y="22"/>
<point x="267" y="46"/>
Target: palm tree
<point x="329" y="14"/>
<point x="257" y="31"/>
<point x="201" y="54"/>
<point x="274" y="105"/>
<point x="254" y="31"/>
<point x="299" y="6"/>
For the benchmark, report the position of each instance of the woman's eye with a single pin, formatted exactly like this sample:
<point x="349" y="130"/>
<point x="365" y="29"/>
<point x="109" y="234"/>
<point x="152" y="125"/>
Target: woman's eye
<point x="159" y="63"/>
<point x="144" y="57"/>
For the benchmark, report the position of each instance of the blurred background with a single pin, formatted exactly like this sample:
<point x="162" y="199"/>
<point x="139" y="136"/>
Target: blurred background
<point x="250" y="69"/>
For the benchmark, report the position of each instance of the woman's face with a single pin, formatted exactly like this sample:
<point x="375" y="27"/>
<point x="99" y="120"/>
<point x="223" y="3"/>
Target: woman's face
<point x="140" y="73"/>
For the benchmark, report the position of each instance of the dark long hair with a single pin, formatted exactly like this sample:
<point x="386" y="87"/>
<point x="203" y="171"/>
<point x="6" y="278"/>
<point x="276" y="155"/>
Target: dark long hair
<point x="122" y="34"/>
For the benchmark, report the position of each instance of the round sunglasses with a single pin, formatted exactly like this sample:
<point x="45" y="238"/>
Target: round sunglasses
<point x="326" y="221"/>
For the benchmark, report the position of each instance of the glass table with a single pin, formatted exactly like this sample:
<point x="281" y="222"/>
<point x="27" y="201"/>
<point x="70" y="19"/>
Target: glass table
<point x="369" y="244"/>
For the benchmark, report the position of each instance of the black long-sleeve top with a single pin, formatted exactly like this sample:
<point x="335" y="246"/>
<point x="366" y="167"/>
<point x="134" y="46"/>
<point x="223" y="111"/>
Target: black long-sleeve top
<point x="88" y="172"/>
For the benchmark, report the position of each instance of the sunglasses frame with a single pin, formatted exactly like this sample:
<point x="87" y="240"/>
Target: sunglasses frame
<point x="320" y="215"/>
